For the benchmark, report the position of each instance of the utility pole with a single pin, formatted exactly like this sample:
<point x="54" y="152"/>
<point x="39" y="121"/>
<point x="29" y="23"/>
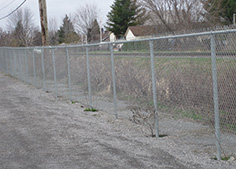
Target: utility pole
<point x="44" y="22"/>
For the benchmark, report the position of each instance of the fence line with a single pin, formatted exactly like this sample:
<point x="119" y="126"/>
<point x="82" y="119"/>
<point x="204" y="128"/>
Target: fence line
<point x="173" y="67"/>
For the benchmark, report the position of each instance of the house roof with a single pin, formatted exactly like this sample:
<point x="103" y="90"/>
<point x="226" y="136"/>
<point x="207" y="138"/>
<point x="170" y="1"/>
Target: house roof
<point x="143" y="30"/>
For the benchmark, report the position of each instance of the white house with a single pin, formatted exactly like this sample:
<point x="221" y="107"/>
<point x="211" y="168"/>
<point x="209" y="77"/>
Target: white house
<point x="140" y="32"/>
<point x="112" y="37"/>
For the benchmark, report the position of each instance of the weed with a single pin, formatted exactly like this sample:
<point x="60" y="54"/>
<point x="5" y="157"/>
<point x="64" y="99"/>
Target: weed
<point x="146" y="118"/>
<point x="225" y="158"/>
<point x="91" y="110"/>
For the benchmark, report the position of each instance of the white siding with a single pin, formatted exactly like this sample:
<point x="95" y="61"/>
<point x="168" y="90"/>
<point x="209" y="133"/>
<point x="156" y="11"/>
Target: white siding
<point x="130" y="36"/>
<point x="112" y="37"/>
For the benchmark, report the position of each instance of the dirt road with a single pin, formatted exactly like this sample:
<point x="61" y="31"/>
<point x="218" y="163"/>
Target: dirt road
<point x="38" y="131"/>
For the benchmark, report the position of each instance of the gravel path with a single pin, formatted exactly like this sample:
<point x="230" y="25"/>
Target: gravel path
<point x="38" y="131"/>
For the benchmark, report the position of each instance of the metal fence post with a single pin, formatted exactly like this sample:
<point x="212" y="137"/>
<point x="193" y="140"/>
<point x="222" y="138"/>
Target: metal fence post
<point x="54" y="71"/>
<point x="43" y="68"/>
<point x="113" y="80"/>
<point x="7" y="59"/>
<point x="68" y="71"/>
<point x="14" y="55"/>
<point x="154" y="87"/>
<point x="26" y="66"/>
<point x="89" y="80"/>
<point x="11" y="63"/>
<point x="1" y="56"/>
<point x="1" y="60"/>
<point x="17" y="63"/>
<point x="215" y="95"/>
<point x="20" y="65"/>
<point x="34" y="69"/>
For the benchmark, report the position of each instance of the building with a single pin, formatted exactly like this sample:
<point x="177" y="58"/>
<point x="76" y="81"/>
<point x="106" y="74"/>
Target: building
<point x="141" y="32"/>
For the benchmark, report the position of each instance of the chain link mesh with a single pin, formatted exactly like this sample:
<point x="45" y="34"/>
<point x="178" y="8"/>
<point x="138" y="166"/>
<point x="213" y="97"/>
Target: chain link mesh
<point x="183" y="79"/>
<point x="226" y="68"/>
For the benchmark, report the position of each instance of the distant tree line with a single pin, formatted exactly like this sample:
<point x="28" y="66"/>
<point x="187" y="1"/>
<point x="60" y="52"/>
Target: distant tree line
<point x="84" y="26"/>
<point x="81" y="27"/>
<point x="170" y="15"/>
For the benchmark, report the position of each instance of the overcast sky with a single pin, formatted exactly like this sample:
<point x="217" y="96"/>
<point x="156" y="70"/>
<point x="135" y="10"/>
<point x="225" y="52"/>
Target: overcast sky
<point x="55" y="8"/>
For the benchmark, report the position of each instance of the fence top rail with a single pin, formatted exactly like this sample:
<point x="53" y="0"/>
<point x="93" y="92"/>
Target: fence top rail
<point x="124" y="41"/>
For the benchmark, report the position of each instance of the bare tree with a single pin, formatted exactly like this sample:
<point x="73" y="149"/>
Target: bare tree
<point x="52" y="26"/>
<point x="174" y="14"/>
<point x="4" y="38"/>
<point x="52" y="29"/>
<point x="37" y="38"/>
<point x="85" y="17"/>
<point x="22" y="25"/>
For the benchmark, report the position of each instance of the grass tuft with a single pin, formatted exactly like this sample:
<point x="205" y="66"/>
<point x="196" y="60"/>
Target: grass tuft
<point x="226" y="158"/>
<point x="90" y="110"/>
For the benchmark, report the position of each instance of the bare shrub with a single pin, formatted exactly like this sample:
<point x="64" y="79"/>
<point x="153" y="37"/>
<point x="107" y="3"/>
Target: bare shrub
<point x="145" y="117"/>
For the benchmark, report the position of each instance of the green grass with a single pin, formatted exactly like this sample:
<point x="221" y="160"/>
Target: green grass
<point x="162" y="107"/>
<point x="90" y="110"/>
<point x="230" y="127"/>
<point x="182" y="113"/>
<point x="193" y="116"/>
<point x="226" y="158"/>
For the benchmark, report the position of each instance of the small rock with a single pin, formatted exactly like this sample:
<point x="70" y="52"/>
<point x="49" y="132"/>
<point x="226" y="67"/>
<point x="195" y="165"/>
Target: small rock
<point x="232" y="158"/>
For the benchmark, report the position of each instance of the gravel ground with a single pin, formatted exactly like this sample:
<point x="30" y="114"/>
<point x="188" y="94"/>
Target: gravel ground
<point x="39" y="131"/>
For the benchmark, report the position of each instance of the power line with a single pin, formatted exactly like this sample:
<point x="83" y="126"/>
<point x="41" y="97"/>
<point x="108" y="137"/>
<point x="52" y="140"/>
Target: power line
<point x="13" y="10"/>
<point x="7" y="5"/>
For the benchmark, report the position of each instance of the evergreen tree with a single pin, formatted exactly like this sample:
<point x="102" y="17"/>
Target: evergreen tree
<point x="61" y="35"/>
<point x="66" y="33"/>
<point x="67" y="25"/>
<point x="95" y="31"/>
<point x="19" y="34"/>
<point x="220" y="11"/>
<point x="124" y="13"/>
<point x="230" y="9"/>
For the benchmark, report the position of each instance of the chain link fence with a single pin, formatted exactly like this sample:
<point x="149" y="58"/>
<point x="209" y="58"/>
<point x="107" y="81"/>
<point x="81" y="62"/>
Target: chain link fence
<point x="171" y="84"/>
